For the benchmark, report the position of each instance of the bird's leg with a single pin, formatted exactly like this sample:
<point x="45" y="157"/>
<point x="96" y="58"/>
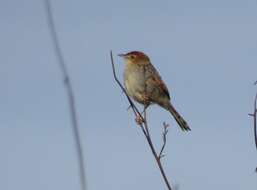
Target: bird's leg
<point x="129" y="107"/>
<point x="145" y="107"/>
<point x="140" y="118"/>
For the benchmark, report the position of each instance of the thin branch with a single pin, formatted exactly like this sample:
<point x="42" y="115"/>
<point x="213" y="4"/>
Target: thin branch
<point x="254" y="115"/>
<point x="143" y="125"/>
<point x="70" y="94"/>
<point x="164" y="138"/>
<point x="254" y="122"/>
<point x="149" y="140"/>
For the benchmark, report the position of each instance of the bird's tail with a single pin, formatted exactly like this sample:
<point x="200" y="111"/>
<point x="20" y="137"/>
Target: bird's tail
<point x="181" y="122"/>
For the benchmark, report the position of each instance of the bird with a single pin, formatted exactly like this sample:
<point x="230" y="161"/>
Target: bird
<point x="144" y="84"/>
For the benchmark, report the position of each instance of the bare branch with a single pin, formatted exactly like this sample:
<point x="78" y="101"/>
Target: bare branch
<point x="143" y="125"/>
<point x="70" y="94"/>
<point x="254" y="116"/>
<point x="254" y="123"/>
<point x="164" y="138"/>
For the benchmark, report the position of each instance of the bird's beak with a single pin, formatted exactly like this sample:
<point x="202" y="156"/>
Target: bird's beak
<point x="122" y="55"/>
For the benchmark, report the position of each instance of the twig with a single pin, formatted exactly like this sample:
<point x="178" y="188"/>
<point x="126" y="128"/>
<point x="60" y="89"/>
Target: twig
<point x="164" y="138"/>
<point x="254" y="115"/>
<point x="143" y="125"/>
<point x="70" y="94"/>
<point x="158" y="160"/>
<point x="255" y="127"/>
<point x="254" y="122"/>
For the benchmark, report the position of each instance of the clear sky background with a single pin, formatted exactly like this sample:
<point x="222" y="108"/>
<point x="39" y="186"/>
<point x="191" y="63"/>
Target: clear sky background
<point x="205" y="50"/>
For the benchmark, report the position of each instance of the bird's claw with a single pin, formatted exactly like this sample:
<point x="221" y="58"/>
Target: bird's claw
<point x="139" y="120"/>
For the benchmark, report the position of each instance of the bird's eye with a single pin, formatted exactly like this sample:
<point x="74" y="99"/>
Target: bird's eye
<point x="132" y="57"/>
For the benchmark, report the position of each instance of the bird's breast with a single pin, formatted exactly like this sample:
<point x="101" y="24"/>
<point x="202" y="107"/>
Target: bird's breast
<point x="134" y="82"/>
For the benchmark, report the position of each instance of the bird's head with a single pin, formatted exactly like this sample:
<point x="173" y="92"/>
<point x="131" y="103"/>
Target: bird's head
<point x="135" y="57"/>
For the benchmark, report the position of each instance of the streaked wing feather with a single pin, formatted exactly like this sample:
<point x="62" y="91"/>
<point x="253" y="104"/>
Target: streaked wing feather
<point x="156" y="78"/>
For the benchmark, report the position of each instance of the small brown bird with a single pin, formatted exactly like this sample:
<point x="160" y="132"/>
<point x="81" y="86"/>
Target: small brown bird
<point x="144" y="84"/>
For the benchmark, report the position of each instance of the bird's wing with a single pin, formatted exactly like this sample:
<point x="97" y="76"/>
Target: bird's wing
<point x="156" y="80"/>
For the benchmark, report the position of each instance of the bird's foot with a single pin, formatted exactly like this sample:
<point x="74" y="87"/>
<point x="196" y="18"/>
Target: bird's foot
<point x="139" y="120"/>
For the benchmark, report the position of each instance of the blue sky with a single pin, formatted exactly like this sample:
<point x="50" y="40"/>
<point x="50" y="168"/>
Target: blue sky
<point x="206" y="53"/>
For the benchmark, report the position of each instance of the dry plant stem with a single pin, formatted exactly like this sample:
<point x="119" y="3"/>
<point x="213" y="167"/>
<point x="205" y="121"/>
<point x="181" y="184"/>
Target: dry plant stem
<point x="254" y="122"/>
<point x="254" y="115"/>
<point x="156" y="156"/>
<point x="164" y="138"/>
<point x="70" y="94"/>
<point x="143" y="126"/>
